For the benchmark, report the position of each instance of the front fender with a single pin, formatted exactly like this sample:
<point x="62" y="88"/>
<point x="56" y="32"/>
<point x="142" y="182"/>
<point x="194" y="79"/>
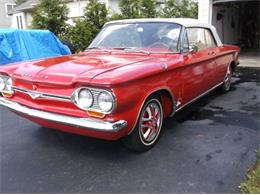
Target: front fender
<point x="132" y="96"/>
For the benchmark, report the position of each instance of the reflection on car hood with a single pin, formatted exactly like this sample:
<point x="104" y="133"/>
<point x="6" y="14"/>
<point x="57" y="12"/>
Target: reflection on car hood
<point x="76" y="68"/>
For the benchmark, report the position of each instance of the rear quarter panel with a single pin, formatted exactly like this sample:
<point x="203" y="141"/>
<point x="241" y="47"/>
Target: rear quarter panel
<point x="225" y="56"/>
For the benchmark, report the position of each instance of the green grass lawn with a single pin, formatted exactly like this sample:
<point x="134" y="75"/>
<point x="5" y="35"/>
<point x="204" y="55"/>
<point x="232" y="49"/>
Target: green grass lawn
<point x="252" y="183"/>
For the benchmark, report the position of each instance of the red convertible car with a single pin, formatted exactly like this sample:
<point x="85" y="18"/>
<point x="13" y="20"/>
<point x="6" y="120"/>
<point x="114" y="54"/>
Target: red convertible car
<point x="133" y="75"/>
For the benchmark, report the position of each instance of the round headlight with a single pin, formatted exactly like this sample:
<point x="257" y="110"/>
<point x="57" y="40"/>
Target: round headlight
<point x="9" y="84"/>
<point x="105" y="101"/>
<point x="85" y="98"/>
<point x="2" y="84"/>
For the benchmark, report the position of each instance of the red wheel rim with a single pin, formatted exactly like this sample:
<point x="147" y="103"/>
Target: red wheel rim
<point x="151" y="122"/>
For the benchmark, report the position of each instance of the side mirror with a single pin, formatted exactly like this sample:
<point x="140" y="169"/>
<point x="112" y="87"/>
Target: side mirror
<point x="193" y="48"/>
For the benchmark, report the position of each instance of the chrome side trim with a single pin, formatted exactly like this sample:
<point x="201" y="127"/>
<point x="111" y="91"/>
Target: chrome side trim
<point x="203" y="94"/>
<point x="175" y="109"/>
<point x="93" y="124"/>
<point x="40" y="95"/>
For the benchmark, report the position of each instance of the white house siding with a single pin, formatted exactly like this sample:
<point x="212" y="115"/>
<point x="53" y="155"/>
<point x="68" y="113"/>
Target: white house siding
<point x="76" y="10"/>
<point x="18" y="21"/>
<point x="205" y="11"/>
<point x="113" y="6"/>
<point x="21" y="20"/>
<point x="29" y="19"/>
<point x="5" y="20"/>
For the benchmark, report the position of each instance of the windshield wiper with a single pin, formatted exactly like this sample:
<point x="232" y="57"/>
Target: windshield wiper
<point x="130" y="49"/>
<point x="97" y="49"/>
<point x="137" y="50"/>
<point x="165" y="52"/>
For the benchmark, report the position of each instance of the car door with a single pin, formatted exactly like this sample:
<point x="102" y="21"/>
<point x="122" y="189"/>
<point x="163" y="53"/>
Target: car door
<point x="199" y="65"/>
<point x="210" y="77"/>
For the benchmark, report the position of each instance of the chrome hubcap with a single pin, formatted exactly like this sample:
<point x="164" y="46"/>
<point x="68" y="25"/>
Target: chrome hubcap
<point x="151" y="122"/>
<point x="228" y="79"/>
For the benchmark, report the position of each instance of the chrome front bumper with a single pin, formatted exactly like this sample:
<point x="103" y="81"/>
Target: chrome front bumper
<point x="93" y="124"/>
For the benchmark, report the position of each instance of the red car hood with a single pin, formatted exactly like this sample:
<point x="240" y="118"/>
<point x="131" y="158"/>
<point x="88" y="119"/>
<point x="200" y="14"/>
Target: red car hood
<point x="67" y="70"/>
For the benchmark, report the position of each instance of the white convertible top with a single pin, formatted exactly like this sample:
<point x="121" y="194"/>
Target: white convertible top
<point x="186" y="22"/>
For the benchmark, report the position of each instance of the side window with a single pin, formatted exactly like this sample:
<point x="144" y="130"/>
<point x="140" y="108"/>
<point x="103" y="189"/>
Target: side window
<point x="196" y="36"/>
<point x="210" y="40"/>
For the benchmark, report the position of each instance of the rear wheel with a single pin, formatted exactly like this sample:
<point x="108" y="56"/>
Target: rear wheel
<point x="148" y="127"/>
<point x="227" y="82"/>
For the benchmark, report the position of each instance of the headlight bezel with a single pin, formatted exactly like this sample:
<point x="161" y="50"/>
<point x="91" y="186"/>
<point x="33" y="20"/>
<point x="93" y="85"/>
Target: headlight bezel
<point x="110" y="96"/>
<point x="2" y="84"/>
<point x="8" y="88"/>
<point x="9" y="84"/>
<point x="75" y="98"/>
<point x="95" y="94"/>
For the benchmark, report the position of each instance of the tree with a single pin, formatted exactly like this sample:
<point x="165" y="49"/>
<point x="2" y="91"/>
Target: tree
<point x="85" y="29"/>
<point x="79" y="35"/>
<point x="95" y="15"/>
<point x="171" y="9"/>
<point x="137" y="9"/>
<point x="19" y="2"/>
<point x="184" y="8"/>
<point x="130" y="8"/>
<point x="50" y="15"/>
<point x="189" y="9"/>
<point x="148" y="8"/>
<point x="116" y="16"/>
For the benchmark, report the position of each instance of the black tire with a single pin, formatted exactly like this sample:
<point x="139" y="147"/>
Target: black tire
<point x="136" y="141"/>
<point x="225" y="87"/>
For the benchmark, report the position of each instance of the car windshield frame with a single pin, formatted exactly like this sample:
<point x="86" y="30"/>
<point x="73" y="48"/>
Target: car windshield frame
<point x="94" y="47"/>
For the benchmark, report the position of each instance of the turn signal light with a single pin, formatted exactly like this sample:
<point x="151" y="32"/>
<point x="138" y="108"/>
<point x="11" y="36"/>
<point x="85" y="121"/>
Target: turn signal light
<point x="8" y="95"/>
<point x="95" y="114"/>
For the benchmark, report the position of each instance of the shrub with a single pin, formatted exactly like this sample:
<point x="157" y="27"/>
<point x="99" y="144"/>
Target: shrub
<point x="50" y="15"/>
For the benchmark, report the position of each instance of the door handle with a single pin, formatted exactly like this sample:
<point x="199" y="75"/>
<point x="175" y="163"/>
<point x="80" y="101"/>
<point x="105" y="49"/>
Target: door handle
<point x="211" y="53"/>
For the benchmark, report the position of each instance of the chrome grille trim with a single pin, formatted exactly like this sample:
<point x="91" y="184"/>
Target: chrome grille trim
<point x="42" y="95"/>
<point x="95" y="96"/>
<point x="39" y="95"/>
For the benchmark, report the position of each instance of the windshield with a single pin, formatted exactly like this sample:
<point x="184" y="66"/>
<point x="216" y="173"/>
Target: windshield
<point x="153" y="37"/>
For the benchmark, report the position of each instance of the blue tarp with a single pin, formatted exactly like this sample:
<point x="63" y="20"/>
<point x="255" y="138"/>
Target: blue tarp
<point x="22" y="45"/>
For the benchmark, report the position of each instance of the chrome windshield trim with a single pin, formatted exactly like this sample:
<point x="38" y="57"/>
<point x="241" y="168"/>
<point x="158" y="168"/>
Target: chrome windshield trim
<point x="93" y="124"/>
<point x="40" y="95"/>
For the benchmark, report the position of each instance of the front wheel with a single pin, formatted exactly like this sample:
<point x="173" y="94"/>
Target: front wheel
<point x="148" y="127"/>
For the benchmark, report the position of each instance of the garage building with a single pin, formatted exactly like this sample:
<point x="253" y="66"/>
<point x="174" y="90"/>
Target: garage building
<point x="236" y="21"/>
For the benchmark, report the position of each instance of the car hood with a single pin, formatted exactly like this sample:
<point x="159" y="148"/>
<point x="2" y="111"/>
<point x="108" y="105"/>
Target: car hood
<point x="67" y="70"/>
